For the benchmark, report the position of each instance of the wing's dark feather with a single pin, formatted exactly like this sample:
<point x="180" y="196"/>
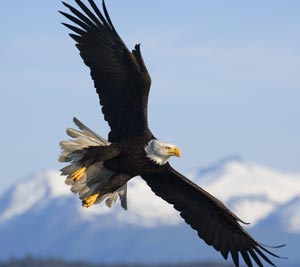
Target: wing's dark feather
<point x="82" y="17"/>
<point x="75" y="20"/>
<point x="74" y="29"/>
<point x="88" y="13"/>
<point x="120" y="79"/>
<point x="233" y="249"/>
<point x="92" y="22"/>
<point x="263" y="256"/>
<point x="218" y="242"/>
<point x="107" y="16"/>
<point x="269" y="252"/>
<point x="209" y="233"/>
<point x="224" y="253"/>
<point x="246" y="258"/>
<point x="90" y="29"/>
<point x="75" y="37"/>
<point x="224" y="249"/>
<point x="195" y="223"/>
<point x="213" y="221"/>
<point x="99" y="14"/>
<point x="193" y="215"/>
<point x="254" y="256"/>
<point x="235" y="257"/>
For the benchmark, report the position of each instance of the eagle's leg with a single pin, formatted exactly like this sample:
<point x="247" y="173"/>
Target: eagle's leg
<point x="90" y="200"/>
<point x="78" y="174"/>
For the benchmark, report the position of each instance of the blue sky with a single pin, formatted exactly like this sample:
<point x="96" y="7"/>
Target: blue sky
<point x="225" y="80"/>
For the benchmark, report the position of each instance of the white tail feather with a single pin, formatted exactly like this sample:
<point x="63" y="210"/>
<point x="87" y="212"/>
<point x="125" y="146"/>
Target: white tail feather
<point x="95" y="174"/>
<point x="90" y="132"/>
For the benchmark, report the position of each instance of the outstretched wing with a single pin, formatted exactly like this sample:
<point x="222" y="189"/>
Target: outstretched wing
<point x="213" y="221"/>
<point x="120" y="76"/>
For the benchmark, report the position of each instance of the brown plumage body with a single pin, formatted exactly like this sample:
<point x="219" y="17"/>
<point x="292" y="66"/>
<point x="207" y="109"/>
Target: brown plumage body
<point x="127" y="156"/>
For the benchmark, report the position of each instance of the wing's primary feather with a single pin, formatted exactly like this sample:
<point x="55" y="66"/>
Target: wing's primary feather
<point x="213" y="221"/>
<point x="120" y="76"/>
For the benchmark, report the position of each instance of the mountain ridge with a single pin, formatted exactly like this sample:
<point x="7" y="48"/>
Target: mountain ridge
<point x="41" y="206"/>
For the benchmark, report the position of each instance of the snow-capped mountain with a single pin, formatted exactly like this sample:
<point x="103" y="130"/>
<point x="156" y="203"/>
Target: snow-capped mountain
<point x="39" y="216"/>
<point x="250" y="190"/>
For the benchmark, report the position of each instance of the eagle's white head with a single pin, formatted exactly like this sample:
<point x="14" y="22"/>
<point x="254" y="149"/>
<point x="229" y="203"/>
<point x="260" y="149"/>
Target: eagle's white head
<point x="160" y="152"/>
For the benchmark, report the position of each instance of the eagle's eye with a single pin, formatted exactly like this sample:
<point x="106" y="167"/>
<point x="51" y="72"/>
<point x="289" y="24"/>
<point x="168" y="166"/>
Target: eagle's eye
<point x="167" y="148"/>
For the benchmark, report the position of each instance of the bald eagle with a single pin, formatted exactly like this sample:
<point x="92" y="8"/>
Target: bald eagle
<point x="99" y="169"/>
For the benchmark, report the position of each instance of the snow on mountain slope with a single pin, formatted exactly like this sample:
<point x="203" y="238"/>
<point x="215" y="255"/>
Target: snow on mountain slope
<point x="30" y="192"/>
<point x="292" y="212"/>
<point x="38" y="191"/>
<point x="250" y="190"/>
<point x="144" y="208"/>
<point x="286" y="217"/>
<point x="41" y="208"/>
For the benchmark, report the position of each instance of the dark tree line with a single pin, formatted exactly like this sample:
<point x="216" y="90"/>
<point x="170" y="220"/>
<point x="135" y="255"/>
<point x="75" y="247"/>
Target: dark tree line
<point x="30" y="261"/>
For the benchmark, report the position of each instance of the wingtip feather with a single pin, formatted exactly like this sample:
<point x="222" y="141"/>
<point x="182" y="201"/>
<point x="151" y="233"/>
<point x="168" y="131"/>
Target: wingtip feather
<point x="271" y="253"/>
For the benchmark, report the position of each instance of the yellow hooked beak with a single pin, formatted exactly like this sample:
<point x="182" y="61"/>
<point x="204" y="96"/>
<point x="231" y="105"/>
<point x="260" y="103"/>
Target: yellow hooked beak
<point x="174" y="151"/>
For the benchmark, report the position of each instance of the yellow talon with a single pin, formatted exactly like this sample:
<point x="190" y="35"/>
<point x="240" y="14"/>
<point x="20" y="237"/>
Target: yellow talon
<point x="89" y="201"/>
<point x="78" y="174"/>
